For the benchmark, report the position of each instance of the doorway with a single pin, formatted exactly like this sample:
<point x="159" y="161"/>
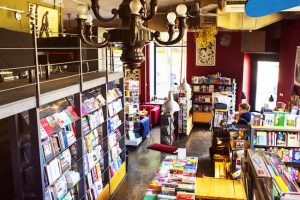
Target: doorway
<point x="266" y="84"/>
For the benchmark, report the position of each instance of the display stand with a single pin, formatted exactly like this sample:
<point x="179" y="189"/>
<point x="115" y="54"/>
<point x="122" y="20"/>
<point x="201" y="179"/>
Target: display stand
<point x="132" y="112"/>
<point x="185" y="117"/>
<point x="167" y="129"/>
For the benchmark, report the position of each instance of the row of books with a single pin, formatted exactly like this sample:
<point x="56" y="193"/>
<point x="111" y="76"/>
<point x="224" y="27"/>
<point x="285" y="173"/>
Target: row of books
<point x="115" y="151"/>
<point x="55" y="122"/>
<point x="202" y="98"/>
<point x="58" y="142"/>
<point x="113" y="94"/>
<point x="114" y="123"/>
<point x="132" y="85"/>
<point x="93" y="139"/>
<point x="271" y="138"/>
<point x="91" y="104"/>
<point x="92" y="121"/>
<point x="202" y="108"/>
<point x="59" y="176"/>
<point x="175" y="179"/>
<point x="276" y="119"/>
<point x="94" y="183"/>
<point x="115" y="107"/>
<point x="282" y="181"/>
<point x="211" y="80"/>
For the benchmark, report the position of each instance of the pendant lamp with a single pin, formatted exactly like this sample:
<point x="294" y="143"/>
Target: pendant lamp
<point x="185" y="87"/>
<point x="170" y="105"/>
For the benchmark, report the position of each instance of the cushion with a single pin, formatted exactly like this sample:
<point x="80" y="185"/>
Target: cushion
<point x="163" y="148"/>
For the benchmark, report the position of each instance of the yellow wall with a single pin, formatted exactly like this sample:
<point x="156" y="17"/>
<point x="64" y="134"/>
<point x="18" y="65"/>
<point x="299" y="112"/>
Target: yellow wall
<point x="8" y="20"/>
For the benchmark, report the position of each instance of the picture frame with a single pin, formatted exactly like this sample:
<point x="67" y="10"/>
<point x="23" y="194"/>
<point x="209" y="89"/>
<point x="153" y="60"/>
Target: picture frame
<point x="206" y="56"/>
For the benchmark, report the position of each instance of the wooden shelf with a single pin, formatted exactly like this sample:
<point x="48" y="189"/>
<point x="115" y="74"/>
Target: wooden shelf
<point x="275" y="128"/>
<point x="228" y="85"/>
<point x="202" y="117"/>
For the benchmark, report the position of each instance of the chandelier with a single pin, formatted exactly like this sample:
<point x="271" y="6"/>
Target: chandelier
<point x="131" y="35"/>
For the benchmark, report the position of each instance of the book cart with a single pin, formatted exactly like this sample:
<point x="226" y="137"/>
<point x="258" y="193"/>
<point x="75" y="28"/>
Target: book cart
<point x="68" y="132"/>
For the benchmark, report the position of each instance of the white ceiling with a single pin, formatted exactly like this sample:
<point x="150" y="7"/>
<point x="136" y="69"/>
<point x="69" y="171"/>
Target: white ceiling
<point x="107" y="5"/>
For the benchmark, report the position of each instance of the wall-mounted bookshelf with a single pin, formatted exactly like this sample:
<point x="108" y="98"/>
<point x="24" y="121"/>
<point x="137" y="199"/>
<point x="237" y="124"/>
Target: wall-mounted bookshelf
<point x="72" y="141"/>
<point x="204" y="88"/>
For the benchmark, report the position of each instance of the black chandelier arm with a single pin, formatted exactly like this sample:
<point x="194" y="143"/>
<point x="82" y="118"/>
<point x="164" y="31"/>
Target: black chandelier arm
<point x="153" y="7"/>
<point x="171" y="30"/>
<point x="85" y="34"/>
<point x="96" y="10"/>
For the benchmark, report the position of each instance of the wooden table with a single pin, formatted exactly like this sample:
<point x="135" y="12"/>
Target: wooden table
<point x="213" y="188"/>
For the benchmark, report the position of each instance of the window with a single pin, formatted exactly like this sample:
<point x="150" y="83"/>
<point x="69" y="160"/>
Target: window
<point x="167" y="69"/>
<point x="266" y="84"/>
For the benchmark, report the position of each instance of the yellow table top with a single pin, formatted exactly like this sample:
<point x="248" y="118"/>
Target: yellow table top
<point x="214" y="188"/>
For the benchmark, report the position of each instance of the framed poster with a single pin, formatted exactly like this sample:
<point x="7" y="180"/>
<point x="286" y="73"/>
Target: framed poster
<point x="206" y="56"/>
<point x="46" y="20"/>
<point x="297" y="67"/>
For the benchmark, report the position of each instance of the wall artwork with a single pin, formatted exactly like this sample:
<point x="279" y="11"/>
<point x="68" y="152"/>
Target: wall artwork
<point x="297" y="67"/>
<point x="132" y="74"/>
<point x="45" y="19"/>
<point x="206" y="56"/>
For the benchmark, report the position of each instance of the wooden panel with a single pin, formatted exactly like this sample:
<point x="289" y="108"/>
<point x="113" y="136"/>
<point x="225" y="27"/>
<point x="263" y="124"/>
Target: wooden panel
<point x="202" y="117"/>
<point x="189" y="125"/>
<point x="253" y="41"/>
<point x="117" y="178"/>
<point x="105" y="193"/>
<point x="212" y="188"/>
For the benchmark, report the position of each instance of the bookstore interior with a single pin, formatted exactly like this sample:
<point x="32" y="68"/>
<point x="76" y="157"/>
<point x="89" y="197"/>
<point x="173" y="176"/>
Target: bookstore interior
<point x="149" y="99"/>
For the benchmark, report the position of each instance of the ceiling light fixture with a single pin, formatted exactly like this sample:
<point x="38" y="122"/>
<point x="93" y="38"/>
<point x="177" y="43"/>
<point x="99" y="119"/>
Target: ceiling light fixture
<point x="132" y="35"/>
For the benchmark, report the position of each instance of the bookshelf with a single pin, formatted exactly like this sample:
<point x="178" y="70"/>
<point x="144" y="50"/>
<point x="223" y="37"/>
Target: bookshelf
<point x="82" y="154"/>
<point x="281" y="140"/>
<point x="131" y="112"/>
<point x="204" y="89"/>
<point x="185" y="117"/>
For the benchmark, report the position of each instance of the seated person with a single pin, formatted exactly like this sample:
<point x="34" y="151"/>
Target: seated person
<point x="244" y="116"/>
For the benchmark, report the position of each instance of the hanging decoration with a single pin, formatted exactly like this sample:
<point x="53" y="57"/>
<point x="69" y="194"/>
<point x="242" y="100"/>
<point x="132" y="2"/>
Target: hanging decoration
<point x="205" y="36"/>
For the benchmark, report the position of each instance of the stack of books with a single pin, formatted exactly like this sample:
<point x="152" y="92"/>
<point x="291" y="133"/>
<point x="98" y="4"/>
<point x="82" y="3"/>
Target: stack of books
<point x="278" y="138"/>
<point x="175" y="179"/>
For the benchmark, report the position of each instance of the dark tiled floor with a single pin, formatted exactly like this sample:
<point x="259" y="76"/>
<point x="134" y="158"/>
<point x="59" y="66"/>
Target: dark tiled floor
<point x="143" y="163"/>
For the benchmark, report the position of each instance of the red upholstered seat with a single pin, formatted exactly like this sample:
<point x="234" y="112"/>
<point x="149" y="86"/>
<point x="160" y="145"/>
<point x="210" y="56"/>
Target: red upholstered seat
<point x="163" y="148"/>
<point x="153" y="112"/>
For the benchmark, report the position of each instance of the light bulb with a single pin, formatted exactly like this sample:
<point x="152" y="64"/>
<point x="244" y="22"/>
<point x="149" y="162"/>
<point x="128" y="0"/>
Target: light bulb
<point x="181" y="10"/>
<point x="89" y="19"/>
<point x="171" y="17"/>
<point x="81" y="11"/>
<point x="135" y="7"/>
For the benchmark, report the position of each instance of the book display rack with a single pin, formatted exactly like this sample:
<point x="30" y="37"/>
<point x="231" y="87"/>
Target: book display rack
<point x="132" y="112"/>
<point x="204" y="89"/>
<point x="185" y="117"/>
<point x="68" y="140"/>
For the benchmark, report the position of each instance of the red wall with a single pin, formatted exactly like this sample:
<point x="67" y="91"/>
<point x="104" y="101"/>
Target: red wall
<point x="229" y="60"/>
<point x="290" y="39"/>
<point x="247" y="76"/>
<point x="145" y="77"/>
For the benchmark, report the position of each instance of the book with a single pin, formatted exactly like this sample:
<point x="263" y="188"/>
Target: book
<point x="281" y="139"/>
<point x="53" y="123"/>
<point x="73" y="113"/>
<point x="55" y="144"/>
<point x="60" y="121"/>
<point x="269" y="119"/>
<point x="296" y="156"/>
<point x="65" y="160"/>
<point x="60" y="188"/>
<point x="46" y="126"/>
<point x="261" y="138"/>
<point x="257" y="119"/>
<point x="279" y="118"/>
<point x="101" y="99"/>
<point x="293" y="139"/>
<point x="47" y="150"/>
<point x="65" y="117"/>
<point x="290" y="120"/>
